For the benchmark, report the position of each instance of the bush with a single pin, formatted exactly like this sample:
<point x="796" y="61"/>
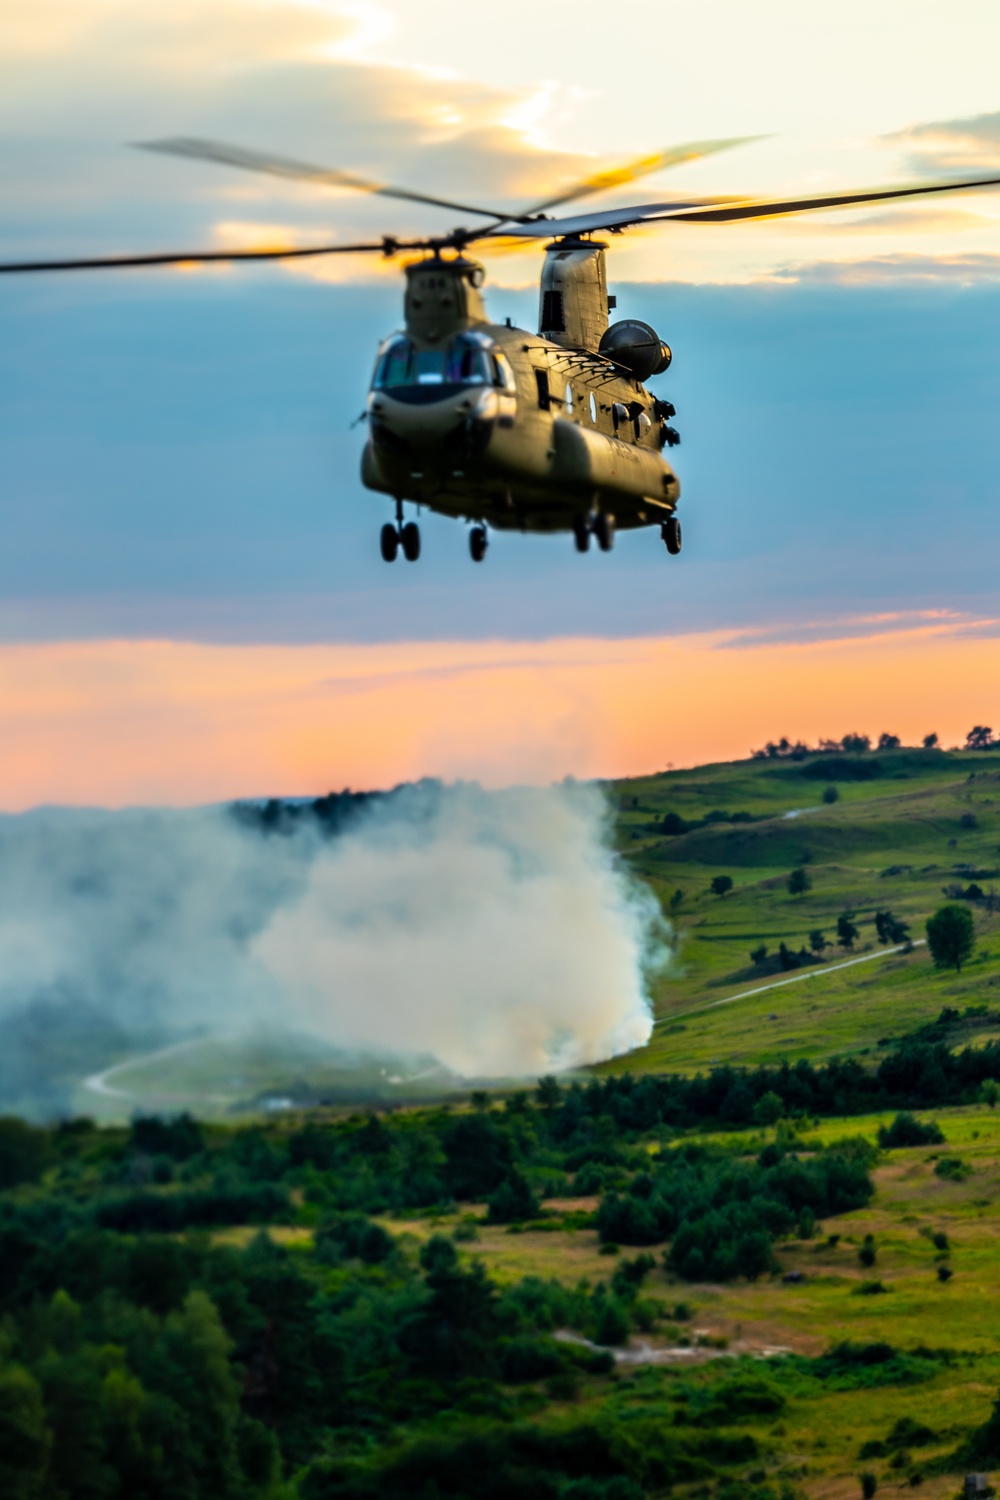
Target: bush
<point x="613" y="1323"/>
<point x="952" y="1169"/>
<point x="907" y="1130"/>
<point x="352" y="1237"/>
<point x="24" y="1152"/>
<point x="513" y="1200"/>
<point x="526" y="1358"/>
<point x="830" y="794"/>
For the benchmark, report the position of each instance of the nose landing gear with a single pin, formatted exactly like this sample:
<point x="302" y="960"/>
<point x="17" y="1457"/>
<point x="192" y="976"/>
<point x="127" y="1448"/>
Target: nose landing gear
<point x="410" y="539"/>
<point x="388" y="542"/>
<point x="407" y="536"/>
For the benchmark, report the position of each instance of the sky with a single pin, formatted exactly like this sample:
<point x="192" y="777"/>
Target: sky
<point x="192" y="605"/>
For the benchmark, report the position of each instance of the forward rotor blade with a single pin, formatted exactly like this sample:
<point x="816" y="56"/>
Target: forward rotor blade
<point x="612" y="177"/>
<point x="285" y="166"/>
<point x="386" y="247"/>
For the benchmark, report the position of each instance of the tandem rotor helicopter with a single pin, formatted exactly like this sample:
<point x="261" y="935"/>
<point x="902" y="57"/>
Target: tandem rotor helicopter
<point x="551" y="431"/>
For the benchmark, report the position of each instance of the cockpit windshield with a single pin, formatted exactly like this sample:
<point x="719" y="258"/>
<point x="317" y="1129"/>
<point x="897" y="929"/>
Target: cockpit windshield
<point x="468" y="359"/>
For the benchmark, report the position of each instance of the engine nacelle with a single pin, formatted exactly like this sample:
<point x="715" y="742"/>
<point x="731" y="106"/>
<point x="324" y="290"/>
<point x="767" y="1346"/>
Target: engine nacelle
<point x="637" y="347"/>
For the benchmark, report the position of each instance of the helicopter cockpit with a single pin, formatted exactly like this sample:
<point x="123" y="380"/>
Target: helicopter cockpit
<point x="420" y="376"/>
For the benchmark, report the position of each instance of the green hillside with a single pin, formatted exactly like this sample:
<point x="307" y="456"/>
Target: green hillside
<point x="907" y="827"/>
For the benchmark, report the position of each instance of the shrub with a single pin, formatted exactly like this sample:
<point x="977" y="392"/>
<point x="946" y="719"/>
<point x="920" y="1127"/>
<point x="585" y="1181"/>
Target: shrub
<point x="612" y="1323"/>
<point x="830" y="794"/>
<point x="907" y="1130"/>
<point x="952" y="1169"/>
<point x="513" y="1200"/>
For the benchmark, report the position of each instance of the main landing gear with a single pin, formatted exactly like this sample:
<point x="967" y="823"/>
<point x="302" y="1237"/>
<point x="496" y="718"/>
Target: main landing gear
<point x="601" y="525"/>
<point x="392" y="538"/>
<point x="671" y="534"/>
<point x="478" y="543"/>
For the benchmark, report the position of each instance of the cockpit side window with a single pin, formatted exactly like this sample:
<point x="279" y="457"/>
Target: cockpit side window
<point x="394" y="366"/>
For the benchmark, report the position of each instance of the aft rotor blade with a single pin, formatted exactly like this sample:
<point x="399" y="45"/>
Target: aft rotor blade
<point x="608" y="218"/>
<point x="724" y="210"/>
<point x="774" y="208"/>
<point x="612" y="177"/>
<point x="286" y="166"/>
<point x="200" y="257"/>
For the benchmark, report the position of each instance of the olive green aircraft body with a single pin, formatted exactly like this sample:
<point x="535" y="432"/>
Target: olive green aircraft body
<point x="516" y="430"/>
<point x="552" y="431"/>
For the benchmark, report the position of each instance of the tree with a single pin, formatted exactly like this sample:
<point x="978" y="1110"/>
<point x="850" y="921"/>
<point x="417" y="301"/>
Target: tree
<point x="890" y="929"/>
<point x="869" y="1484"/>
<point x="990" y="1092"/>
<point x="769" y="1109"/>
<point x="799" y="882"/>
<point x="830" y="794"/>
<point x="721" y="885"/>
<point x="758" y="955"/>
<point x="817" y="941"/>
<point x="548" y="1093"/>
<point x="951" y="937"/>
<point x="867" y="1253"/>
<point x="25" y="1440"/>
<point x="979" y="737"/>
<point x="676" y="899"/>
<point x="856" y="744"/>
<point x="847" y="932"/>
<point x="930" y="741"/>
<point x="888" y="741"/>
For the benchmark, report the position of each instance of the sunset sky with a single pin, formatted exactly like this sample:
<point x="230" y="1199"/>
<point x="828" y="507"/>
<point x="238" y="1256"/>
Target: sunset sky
<point x="192" y="605"/>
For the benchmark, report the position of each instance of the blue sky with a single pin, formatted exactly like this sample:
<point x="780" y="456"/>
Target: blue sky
<point x="176" y="458"/>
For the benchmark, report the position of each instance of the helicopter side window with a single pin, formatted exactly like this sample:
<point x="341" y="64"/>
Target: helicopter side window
<point x="473" y="366"/>
<point x="394" y="366"/>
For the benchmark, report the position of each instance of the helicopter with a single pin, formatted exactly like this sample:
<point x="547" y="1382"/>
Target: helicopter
<point x="550" y="432"/>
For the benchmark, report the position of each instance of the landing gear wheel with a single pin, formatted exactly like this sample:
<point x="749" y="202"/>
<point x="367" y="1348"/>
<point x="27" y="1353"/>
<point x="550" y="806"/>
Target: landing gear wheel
<point x="581" y="534"/>
<point x="604" y="530"/>
<point x="410" y="540"/>
<point x="671" y="534"/>
<point x="388" y="542"/>
<point x="478" y="543"/>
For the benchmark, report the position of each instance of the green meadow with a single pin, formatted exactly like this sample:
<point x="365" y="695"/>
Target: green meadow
<point x="923" y="822"/>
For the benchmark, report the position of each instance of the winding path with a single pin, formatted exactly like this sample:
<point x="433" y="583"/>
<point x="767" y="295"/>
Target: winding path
<point x="777" y="984"/>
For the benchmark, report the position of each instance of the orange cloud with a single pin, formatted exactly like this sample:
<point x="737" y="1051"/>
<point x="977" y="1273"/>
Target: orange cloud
<point x="115" y="722"/>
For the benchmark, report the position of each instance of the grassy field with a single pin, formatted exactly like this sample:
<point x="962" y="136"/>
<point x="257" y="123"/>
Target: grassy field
<point x="816" y="1440"/>
<point x="926" y="821"/>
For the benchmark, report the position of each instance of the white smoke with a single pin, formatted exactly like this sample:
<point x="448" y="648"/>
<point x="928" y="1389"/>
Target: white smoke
<point x="492" y="930"/>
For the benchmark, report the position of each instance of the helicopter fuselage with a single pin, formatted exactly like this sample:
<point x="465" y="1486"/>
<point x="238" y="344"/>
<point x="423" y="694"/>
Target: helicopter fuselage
<point x="533" y="432"/>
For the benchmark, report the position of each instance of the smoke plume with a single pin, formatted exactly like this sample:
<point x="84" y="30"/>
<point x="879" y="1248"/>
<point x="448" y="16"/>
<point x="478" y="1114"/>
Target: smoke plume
<point x="492" y="930"/>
